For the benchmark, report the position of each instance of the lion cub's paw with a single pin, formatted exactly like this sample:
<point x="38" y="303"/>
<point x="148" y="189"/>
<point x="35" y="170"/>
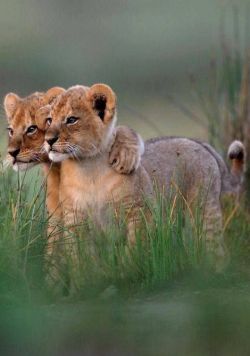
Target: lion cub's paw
<point x="126" y="152"/>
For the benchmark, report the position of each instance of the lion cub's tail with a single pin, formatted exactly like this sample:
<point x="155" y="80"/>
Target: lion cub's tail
<point x="237" y="154"/>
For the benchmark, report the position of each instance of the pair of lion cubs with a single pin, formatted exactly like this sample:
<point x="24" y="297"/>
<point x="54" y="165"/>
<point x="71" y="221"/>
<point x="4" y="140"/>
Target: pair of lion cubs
<point x="75" y="128"/>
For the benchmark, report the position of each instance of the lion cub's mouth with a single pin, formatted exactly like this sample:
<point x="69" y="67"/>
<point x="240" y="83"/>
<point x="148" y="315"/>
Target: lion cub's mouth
<point x="56" y="156"/>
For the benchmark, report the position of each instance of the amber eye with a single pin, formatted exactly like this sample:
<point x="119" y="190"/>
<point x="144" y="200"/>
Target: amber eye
<point x="10" y="131"/>
<point x="31" y="130"/>
<point x="49" y="121"/>
<point x="71" y="120"/>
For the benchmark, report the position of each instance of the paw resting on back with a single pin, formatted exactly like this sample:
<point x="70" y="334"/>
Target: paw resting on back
<point x="124" y="159"/>
<point x="126" y="152"/>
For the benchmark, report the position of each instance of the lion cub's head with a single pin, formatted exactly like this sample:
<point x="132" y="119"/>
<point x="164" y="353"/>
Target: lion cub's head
<point x="26" y="137"/>
<point x="81" y="122"/>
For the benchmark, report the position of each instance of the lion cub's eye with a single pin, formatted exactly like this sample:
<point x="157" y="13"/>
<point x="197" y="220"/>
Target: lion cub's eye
<point x="31" y="130"/>
<point x="71" y="120"/>
<point x="10" y="131"/>
<point x="49" y="121"/>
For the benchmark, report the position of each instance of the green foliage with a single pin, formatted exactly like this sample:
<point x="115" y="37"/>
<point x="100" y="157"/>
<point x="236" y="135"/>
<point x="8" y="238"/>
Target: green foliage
<point x="225" y="98"/>
<point x="22" y="236"/>
<point x="171" y="294"/>
<point x="167" y="246"/>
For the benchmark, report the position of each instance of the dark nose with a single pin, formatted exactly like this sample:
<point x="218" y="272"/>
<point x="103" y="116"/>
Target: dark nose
<point x="14" y="153"/>
<point x="52" y="140"/>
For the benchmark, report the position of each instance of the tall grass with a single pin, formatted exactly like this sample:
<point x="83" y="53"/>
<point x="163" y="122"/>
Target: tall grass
<point x="225" y="99"/>
<point x="166" y="247"/>
<point x="169" y="246"/>
<point x="22" y="231"/>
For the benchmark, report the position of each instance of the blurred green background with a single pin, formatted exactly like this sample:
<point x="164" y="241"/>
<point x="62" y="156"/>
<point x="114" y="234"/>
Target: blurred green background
<point x="144" y="49"/>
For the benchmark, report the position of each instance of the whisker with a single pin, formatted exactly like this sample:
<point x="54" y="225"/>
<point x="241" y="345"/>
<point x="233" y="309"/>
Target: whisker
<point x="73" y="150"/>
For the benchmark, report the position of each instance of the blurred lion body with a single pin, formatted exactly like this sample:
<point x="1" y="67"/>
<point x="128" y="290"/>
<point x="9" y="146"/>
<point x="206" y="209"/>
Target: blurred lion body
<point x="201" y="175"/>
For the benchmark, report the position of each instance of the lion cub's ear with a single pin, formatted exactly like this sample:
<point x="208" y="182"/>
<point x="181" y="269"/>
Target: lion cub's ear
<point x="42" y="116"/>
<point x="103" y="101"/>
<point x="52" y="93"/>
<point x="10" y="103"/>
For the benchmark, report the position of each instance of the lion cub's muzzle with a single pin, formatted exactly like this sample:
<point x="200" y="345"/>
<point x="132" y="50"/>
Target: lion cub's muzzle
<point x="13" y="153"/>
<point x="52" y="140"/>
<point x="54" y="152"/>
<point x="51" y="137"/>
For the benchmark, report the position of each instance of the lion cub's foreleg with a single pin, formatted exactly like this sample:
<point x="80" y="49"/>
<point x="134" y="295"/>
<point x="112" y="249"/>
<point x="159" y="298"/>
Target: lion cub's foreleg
<point x="126" y="151"/>
<point x="53" y="206"/>
<point x="54" y="232"/>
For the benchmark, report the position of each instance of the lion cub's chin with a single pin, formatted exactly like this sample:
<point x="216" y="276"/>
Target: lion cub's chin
<point x="57" y="156"/>
<point x="19" y="167"/>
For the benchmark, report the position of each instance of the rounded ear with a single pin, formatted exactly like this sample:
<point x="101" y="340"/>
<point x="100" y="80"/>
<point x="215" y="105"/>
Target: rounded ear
<point x="10" y="103"/>
<point x="103" y="101"/>
<point x="41" y="117"/>
<point x="52" y="93"/>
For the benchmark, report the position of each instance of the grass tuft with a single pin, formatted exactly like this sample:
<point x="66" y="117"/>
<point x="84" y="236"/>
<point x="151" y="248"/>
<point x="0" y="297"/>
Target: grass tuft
<point x="168" y="247"/>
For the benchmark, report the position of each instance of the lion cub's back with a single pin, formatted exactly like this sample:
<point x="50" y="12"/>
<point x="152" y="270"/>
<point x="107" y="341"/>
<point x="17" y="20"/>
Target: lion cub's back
<point x="181" y="159"/>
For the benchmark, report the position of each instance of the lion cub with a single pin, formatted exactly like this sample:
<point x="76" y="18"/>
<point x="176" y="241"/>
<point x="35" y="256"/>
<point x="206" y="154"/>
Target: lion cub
<point x="81" y="131"/>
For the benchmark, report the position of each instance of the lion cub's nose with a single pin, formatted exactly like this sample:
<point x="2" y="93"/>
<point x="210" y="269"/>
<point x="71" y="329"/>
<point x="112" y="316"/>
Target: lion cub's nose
<point x="14" y="153"/>
<point x="52" y="140"/>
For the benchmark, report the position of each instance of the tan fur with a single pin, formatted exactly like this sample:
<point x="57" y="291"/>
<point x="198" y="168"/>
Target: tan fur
<point x="91" y="185"/>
